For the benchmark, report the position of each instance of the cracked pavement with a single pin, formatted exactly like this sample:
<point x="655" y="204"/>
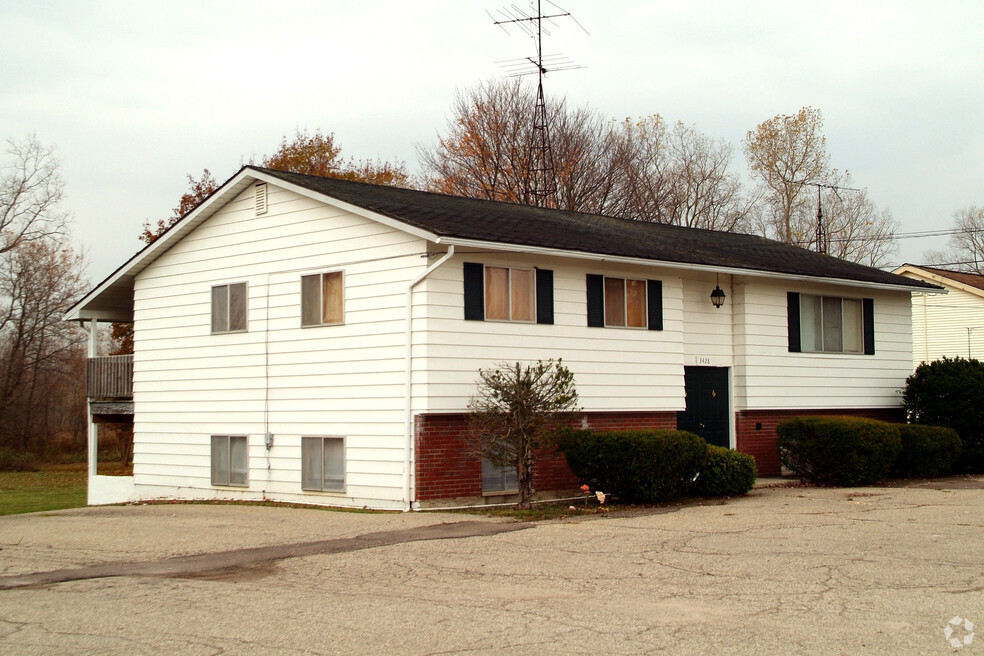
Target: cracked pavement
<point x="784" y="570"/>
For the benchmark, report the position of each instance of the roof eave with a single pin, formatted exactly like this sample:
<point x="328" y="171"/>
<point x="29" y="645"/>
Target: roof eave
<point x="600" y="257"/>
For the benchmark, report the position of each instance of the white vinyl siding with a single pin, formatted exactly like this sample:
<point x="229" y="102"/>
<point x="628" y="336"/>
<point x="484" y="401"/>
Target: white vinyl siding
<point x="950" y="324"/>
<point x="768" y="376"/>
<point x="637" y="370"/>
<point x="278" y="377"/>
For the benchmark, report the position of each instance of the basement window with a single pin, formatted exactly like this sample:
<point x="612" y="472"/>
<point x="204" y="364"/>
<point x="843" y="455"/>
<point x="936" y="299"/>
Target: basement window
<point x="498" y="480"/>
<point x="229" y="460"/>
<point x="323" y="464"/>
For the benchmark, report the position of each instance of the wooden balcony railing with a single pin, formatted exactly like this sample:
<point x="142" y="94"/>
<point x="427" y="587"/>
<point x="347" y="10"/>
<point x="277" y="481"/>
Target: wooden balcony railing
<point x="110" y="377"/>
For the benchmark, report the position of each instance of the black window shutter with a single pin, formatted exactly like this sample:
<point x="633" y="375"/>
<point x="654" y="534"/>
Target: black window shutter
<point x="793" y="321"/>
<point x="654" y="303"/>
<point x="868" y="320"/>
<point x="474" y="291"/>
<point x="596" y="300"/>
<point x="544" y="296"/>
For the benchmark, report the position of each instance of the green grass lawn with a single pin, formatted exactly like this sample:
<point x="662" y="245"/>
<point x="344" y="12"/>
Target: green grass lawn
<point x="52" y="487"/>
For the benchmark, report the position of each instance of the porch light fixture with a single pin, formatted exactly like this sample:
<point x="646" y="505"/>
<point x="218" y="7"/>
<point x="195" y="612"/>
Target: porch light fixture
<point x="718" y="296"/>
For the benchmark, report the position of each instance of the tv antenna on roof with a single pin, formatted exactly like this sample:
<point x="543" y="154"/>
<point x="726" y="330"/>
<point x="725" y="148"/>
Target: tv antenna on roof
<point x="821" y="230"/>
<point x="542" y="175"/>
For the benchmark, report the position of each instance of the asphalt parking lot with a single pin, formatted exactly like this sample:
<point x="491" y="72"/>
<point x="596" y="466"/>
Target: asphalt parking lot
<point x="784" y="570"/>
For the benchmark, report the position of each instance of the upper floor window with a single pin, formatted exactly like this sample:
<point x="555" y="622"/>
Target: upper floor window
<point x="495" y="293"/>
<point x="830" y="324"/>
<point x="322" y="299"/>
<point x="624" y="302"/>
<point x="229" y="308"/>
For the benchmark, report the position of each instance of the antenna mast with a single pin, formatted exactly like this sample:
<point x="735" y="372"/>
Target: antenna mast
<point x="821" y="230"/>
<point x="542" y="176"/>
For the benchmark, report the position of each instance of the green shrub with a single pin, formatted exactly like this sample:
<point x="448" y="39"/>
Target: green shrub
<point x="725" y="473"/>
<point x="950" y="392"/>
<point x="927" y="451"/>
<point x="644" y="466"/>
<point x="15" y="461"/>
<point x="838" y="450"/>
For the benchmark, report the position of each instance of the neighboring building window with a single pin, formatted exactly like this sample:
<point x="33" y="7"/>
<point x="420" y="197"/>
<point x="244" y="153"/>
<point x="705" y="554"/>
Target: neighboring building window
<point x="229" y="460"/>
<point x="322" y="299"/>
<point x="830" y="324"/>
<point x="494" y="293"/>
<point x="498" y="479"/>
<point x="229" y="308"/>
<point x="624" y="302"/>
<point x="323" y="463"/>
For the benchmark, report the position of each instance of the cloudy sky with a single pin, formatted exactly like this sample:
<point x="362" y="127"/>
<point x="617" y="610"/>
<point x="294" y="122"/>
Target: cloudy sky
<point x="136" y="95"/>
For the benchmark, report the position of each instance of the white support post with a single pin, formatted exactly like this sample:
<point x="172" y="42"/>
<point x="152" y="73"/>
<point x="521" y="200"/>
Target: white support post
<point x="93" y="436"/>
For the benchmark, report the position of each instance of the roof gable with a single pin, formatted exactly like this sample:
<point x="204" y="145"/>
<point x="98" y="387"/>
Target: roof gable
<point x="969" y="282"/>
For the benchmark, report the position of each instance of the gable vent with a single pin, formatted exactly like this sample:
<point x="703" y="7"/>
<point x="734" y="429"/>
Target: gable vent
<point x="260" y="192"/>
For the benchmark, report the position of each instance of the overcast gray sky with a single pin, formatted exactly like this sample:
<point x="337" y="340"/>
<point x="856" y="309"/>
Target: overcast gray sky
<point x="136" y="95"/>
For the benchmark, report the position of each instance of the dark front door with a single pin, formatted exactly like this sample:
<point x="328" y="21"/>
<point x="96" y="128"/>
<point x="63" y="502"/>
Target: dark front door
<point x="708" y="412"/>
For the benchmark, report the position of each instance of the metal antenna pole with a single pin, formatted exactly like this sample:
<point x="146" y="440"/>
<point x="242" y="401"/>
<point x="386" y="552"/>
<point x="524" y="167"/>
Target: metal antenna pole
<point x="821" y="234"/>
<point x="541" y="179"/>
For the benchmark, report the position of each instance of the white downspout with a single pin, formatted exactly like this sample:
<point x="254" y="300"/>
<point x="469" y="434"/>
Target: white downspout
<point x="409" y="460"/>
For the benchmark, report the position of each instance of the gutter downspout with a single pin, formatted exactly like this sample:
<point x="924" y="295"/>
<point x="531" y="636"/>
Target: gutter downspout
<point x="408" y="445"/>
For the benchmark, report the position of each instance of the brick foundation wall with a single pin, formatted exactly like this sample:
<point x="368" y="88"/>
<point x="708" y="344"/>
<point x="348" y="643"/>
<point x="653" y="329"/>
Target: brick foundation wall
<point x="444" y="470"/>
<point x="756" y="431"/>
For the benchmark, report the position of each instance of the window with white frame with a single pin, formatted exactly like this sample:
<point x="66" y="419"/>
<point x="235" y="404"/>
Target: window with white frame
<point x="831" y="324"/>
<point x="323" y="464"/>
<point x="229" y="308"/>
<point x="498" y="479"/>
<point x="322" y="299"/>
<point x="230" y="460"/>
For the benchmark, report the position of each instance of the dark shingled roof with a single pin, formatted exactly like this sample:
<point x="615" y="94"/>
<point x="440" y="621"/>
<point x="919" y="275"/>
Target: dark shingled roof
<point x="508" y="223"/>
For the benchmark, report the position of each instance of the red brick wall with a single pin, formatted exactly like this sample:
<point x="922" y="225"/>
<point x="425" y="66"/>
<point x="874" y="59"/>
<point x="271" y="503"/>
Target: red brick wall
<point x="445" y="471"/>
<point x="756" y="431"/>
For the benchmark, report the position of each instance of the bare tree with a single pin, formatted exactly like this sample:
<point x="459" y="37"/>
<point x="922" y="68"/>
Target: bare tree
<point x="634" y="169"/>
<point x="39" y="281"/>
<point x="786" y="153"/>
<point x="965" y="251"/>
<point x="31" y="189"/>
<point x="788" y="156"/>
<point x="515" y="411"/>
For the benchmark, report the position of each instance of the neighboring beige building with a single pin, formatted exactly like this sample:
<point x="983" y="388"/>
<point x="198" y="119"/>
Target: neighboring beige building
<point x="948" y="324"/>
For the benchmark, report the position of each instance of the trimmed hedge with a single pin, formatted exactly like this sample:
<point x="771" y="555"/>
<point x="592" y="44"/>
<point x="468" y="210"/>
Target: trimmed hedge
<point x="927" y="451"/>
<point x="838" y="450"/>
<point x="644" y="466"/>
<point x="725" y="473"/>
<point x="950" y="392"/>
